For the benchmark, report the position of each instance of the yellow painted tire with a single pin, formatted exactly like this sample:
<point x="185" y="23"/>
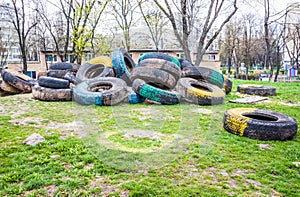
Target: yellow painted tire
<point x="260" y="124"/>
<point x="199" y="92"/>
<point x="104" y="60"/>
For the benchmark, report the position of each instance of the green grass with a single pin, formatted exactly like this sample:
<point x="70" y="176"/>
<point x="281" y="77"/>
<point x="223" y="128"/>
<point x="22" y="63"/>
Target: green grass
<point x="187" y="152"/>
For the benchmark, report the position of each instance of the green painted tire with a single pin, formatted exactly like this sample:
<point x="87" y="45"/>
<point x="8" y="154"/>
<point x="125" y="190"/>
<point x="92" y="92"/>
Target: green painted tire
<point x="204" y="74"/>
<point x="199" y="92"/>
<point x="159" y="55"/>
<point x="156" y="94"/>
<point x="260" y="124"/>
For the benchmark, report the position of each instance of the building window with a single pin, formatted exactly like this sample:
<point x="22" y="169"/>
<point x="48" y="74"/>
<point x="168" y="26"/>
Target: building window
<point x="211" y="57"/>
<point x="31" y="74"/>
<point x="180" y="55"/>
<point x="51" y="58"/>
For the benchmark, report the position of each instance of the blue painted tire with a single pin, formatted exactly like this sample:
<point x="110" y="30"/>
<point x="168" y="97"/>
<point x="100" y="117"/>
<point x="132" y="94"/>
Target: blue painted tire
<point x="102" y="91"/>
<point x="134" y="98"/>
<point x="123" y="64"/>
<point x="159" y="55"/>
<point x="156" y="94"/>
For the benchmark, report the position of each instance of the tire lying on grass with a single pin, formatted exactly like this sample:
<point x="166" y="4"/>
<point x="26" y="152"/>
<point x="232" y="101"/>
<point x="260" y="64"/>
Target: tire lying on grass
<point x="55" y="83"/>
<point x="164" y="65"/>
<point x="18" y="80"/>
<point x="205" y="74"/>
<point x="199" y="92"/>
<point x="103" y="91"/>
<point x="253" y="89"/>
<point x="157" y="94"/>
<point x="260" y="124"/>
<point x="154" y="76"/>
<point x="50" y="94"/>
<point x="159" y="55"/>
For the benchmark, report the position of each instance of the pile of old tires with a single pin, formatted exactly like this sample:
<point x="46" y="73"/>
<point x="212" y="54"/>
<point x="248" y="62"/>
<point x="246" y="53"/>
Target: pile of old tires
<point x="57" y="83"/>
<point x="114" y="79"/>
<point x="156" y="77"/>
<point x="15" y="82"/>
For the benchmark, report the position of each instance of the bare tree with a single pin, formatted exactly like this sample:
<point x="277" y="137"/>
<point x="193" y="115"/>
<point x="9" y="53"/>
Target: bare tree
<point x="155" y="22"/>
<point x="190" y="13"/>
<point x="229" y="44"/>
<point x="20" y="19"/>
<point x="123" y="12"/>
<point x="292" y="43"/>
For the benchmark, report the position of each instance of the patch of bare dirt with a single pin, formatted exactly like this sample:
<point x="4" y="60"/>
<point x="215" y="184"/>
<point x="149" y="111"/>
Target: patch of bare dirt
<point x="147" y="111"/>
<point x="202" y="111"/>
<point x="36" y="122"/>
<point x="130" y="134"/>
<point x="50" y="190"/>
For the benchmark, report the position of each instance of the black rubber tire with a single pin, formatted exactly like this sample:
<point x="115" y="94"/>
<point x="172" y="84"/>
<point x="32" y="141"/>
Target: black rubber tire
<point x="113" y="92"/>
<point x="89" y="72"/>
<point x="155" y="94"/>
<point x="204" y="74"/>
<point x="260" y="124"/>
<point x="49" y="94"/>
<point x="55" y="83"/>
<point x="159" y="55"/>
<point x="64" y="66"/>
<point x="70" y="76"/>
<point x="253" y="89"/>
<point x="199" y="92"/>
<point x="155" y="76"/>
<point x="164" y="65"/>
<point x="18" y="80"/>
<point x="57" y="73"/>
<point x="227" y="85"/>
<point x="184" y="63"/>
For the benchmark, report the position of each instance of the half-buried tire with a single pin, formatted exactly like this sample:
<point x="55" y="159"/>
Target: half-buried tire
<point x="260" y="124"/>
<point x="199" y="92"/>
<point x="151" y="92"/>
<point x="253" y="89"/>
<point x="102" y="91"/>
<point x="50" y="94"/>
